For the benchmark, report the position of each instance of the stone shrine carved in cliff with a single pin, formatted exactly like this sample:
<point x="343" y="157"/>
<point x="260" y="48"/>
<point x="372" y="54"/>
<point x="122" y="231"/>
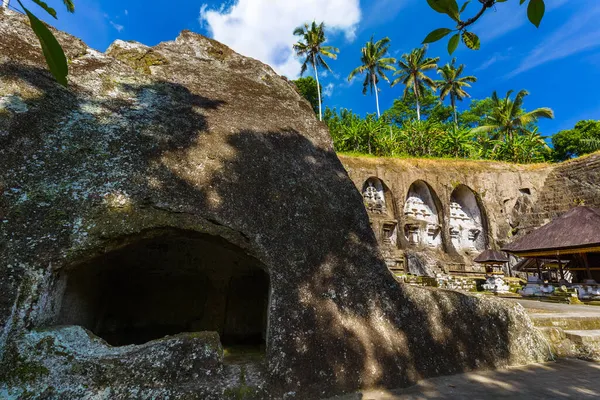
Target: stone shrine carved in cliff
<point x="466" y="226"/>
<point x="374" y="197"/>
<point x="422" y="223"/>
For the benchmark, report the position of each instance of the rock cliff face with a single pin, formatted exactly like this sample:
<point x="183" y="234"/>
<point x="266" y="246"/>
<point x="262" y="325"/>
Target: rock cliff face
<point x="188" y="166"/>
<point x="490" y="198"/>
<point x="510" y="200"/>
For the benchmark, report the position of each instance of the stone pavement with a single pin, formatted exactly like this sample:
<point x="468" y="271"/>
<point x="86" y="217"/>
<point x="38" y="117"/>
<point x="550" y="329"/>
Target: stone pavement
<point x="565" y="378"/>
<point x="536" y="306"/>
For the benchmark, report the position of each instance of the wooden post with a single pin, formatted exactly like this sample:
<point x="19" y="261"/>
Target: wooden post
<point x="562" y="274"/>
<point x="537" y="263"/>
<point x="587" y="264"/>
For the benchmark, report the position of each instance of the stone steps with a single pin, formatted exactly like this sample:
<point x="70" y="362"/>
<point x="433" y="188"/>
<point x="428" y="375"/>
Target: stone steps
<point x="584" y="336"/>
<point x="575" y="336"/>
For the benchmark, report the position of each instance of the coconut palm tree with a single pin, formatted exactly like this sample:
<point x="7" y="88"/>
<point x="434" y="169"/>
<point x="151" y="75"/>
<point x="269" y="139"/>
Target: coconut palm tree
<point x="453" y="84"/>
<point x="310" y="46"/>
<point x="410" y="71"/>
<point x="507" y="118"/>
<point x="374" y="65"/>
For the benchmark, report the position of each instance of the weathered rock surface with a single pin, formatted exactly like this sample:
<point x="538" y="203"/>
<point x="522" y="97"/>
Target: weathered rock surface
<point x="189" y="135"/>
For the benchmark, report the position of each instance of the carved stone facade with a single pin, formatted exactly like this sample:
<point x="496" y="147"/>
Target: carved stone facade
<point x="422" y="223"/>
<point x="446" y="212"/>
<point x="380" y="207"/>
<point x="480" y="204"/>
<point x="467" y="231"/>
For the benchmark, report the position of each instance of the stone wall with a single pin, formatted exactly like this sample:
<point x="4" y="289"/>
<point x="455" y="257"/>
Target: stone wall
<point x="572" y="183"/>
<point x="512" y="200"/>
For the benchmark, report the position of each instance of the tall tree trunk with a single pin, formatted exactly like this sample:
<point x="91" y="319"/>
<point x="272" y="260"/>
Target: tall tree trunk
<point x="376" y="95"/>
<point x="318" y="88"/>
<point x="454" y="109"/>
<point x="417" y="98"/>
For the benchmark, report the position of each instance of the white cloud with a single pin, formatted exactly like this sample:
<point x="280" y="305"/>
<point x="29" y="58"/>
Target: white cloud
<point x="328" y="90"/>
<point x="118" y="27"/>
<point x="496" y="58"/>
<point x="263" y="29"/>
<point x="580" y="33"/>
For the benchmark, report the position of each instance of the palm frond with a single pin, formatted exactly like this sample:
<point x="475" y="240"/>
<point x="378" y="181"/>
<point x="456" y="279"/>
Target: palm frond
<point x="69" y="5"/>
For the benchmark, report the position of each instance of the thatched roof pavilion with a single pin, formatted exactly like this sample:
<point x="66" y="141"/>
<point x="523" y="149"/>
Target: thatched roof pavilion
<point x="573" y="235"/>
<point x="491" y="257"/>
<point x="575" y="232"/>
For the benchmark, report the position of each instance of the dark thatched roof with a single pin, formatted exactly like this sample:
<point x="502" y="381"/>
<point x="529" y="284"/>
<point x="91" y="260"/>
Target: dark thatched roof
<point x="491" y="257"/>
<point x="576" y="231"/>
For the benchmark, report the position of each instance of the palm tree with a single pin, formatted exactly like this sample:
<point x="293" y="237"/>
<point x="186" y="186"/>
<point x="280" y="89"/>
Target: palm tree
<point x="311" y="48"/>
<point x="374" y="65"/>
<point x="453" y="84"/>
<point x="410" y="71"/>
<point x="508" y="119"/>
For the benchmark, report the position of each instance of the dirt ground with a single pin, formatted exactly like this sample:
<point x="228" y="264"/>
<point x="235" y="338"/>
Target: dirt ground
<point x="574" y="379"/>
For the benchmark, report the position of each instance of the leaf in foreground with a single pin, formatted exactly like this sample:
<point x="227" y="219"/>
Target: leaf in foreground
<point x="53" y="52"/>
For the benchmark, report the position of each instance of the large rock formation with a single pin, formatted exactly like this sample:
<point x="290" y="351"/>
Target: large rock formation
<point x="185" y="188"/>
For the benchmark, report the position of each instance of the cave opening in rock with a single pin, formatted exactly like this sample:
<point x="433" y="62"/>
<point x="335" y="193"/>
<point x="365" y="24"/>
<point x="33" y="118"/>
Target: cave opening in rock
<point x="168" y="282"/>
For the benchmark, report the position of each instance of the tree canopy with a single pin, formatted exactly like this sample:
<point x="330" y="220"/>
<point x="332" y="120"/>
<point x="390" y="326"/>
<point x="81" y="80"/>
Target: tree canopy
<point x="580" y="140"/>
<point x="307" y="87"/>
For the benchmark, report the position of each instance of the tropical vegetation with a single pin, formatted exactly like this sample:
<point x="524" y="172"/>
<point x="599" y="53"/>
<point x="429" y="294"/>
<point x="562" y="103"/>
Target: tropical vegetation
<point x="311" y="47"/>
<point x="420" y="124"/>
<point x="374" y="64"/>
<point x="307" y="86"/>
<point x="584" y="138"/>
<point x="453" y="84"/>
<point x="411" y="74"/>
<point x="399" y="134"/>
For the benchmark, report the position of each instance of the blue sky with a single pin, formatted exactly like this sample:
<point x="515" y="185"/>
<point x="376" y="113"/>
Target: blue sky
<point x="559" y="63"/>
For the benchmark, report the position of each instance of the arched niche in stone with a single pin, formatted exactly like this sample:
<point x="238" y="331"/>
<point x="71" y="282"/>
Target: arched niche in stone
<point x="165" y="282"/>
<point x="379" y="204"/>
<point x="421" y="216"/>
<point x="468" y="228"/>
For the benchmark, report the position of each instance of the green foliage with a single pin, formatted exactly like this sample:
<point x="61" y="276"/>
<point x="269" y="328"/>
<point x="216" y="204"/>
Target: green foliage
<point x="398" y="133"/>
<point x="535" y="12"/>
<point x="507" y="118"/>
<point x="477" y="113"/>
<point x="404" y="108"/>
<point x="584" y="138"/>
<point x="53" y="52"/>
<point x="308" y="88"/>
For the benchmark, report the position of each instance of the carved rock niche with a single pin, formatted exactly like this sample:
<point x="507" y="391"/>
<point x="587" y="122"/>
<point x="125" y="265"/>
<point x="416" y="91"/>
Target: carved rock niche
<point x="422" y="225"/>
<point x="467" y="231"/>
